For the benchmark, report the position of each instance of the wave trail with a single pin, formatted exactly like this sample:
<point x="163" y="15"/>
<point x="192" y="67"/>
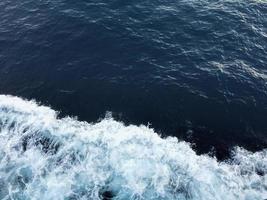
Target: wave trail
<point x="44" y="157"/>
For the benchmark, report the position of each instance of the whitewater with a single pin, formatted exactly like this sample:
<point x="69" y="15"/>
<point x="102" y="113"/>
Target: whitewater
<point x="45" y="157"/>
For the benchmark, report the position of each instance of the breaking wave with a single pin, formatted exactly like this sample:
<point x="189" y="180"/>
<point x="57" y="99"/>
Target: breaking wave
<point x="44" y="157"/>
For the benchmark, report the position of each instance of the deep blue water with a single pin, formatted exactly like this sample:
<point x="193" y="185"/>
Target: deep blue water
<point x="193" y="69"/>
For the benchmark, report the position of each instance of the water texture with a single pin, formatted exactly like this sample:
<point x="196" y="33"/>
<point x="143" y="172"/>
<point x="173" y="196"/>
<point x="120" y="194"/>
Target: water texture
<point x="193" y="72"/>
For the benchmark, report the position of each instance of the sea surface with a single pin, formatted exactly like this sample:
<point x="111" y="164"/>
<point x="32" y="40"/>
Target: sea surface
<point x="122" y="99"/>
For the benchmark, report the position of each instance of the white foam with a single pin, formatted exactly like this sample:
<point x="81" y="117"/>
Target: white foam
<point x="43" y="157"/>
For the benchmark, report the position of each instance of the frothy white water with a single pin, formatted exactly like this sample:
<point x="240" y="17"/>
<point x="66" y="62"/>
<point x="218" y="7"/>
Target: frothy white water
<point x="43" y="157"/>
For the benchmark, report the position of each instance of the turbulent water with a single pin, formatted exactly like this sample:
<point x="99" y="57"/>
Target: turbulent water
<point x="45" y="157"/>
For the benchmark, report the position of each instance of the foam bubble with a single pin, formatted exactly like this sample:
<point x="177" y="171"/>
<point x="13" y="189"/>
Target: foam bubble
<point x="43" y="157"/>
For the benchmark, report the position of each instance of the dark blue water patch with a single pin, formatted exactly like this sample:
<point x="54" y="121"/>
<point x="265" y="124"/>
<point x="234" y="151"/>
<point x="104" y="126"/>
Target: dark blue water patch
<point x="193" y="69"/>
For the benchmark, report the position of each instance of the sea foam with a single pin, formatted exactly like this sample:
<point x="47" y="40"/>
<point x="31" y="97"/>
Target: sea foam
<point x="44" y="157"/>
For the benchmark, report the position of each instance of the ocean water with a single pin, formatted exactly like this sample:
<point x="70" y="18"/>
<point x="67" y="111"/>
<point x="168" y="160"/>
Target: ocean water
<point x="146" y="99"/>
<point x="192" y="69"/>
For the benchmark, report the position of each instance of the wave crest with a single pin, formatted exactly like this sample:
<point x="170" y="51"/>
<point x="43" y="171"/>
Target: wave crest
<point x="44" y="157"/>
